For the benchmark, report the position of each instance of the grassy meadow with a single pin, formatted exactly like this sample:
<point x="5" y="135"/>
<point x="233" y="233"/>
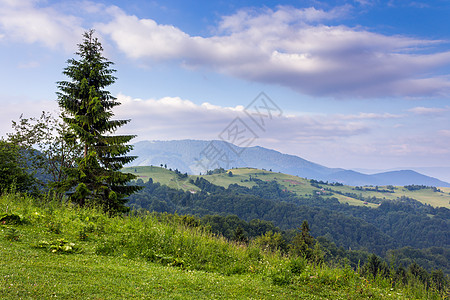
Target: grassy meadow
<point x="49" y="249"/>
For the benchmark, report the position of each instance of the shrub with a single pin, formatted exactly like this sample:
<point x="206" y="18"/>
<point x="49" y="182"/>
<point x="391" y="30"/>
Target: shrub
<point x="281" y="277"/>
<point x="297" y="265"/>
<point x="58" y="246"/>
<point x="11" y="234"/>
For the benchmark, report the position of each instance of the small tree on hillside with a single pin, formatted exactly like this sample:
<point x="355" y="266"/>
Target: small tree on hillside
<point x="96" y="178"/>
<point x="13" y="176"/>
<point x="304" y="245"/>
<point x="47" y="146"/>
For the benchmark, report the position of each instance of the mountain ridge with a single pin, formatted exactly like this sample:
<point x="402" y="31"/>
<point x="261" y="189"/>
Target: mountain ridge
<point x="198" y="156"/>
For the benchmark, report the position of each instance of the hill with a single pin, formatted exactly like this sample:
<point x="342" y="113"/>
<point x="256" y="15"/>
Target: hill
<point x="194" y="157"/>
<point x="50" y="249"/>
<point x="353" y="195"/>
<point x="372" y="223"/>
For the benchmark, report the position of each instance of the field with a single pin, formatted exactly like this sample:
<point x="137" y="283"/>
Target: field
<point x="294" y="184"/>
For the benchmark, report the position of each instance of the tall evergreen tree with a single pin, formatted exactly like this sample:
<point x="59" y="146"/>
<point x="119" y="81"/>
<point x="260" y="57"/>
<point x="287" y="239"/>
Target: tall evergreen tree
<point x="95" y="178"/>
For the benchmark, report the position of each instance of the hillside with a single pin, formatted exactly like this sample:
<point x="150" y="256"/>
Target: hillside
<point x="299" y="186"/>
<point x="191" y="156"/>
<point x="372" y="223"/>
<point x="54" y="250"/>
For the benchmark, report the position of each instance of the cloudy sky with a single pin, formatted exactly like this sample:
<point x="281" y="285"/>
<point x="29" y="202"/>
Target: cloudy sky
<point x="353" y="84"/>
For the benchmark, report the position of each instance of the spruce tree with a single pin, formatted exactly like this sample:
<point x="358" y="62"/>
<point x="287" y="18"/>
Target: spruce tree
<point x="94" y="178"/>
<point x="303" y="242"/>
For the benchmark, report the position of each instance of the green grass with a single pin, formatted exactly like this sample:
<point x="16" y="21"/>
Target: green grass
<point x="149" y="256"/>
<point x="163" y="176"/>
<point x="41" y="275"/>
<point x="298" y="185"/>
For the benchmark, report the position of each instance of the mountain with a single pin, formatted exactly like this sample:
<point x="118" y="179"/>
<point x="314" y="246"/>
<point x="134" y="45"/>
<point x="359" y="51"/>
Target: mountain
<point x="443" y="173"/>
<point x="195" y="156"/>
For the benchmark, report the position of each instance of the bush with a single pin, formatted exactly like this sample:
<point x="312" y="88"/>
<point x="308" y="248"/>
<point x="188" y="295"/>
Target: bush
<point x="297" y="265"/>
<point x="281" y="277"/>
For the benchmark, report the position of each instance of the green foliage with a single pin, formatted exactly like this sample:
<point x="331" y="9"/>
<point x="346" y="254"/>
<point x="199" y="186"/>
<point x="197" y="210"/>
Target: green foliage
<point x="305" y="246"/>
<point x="13" y="175"/>
<point x="48" y="146"/>
<point x="271" y="241"/>
<point x="303" y="242"/>
<point x="429" y="258"/>
<point x="54" y="227"/>
<point x="297" y="265"/>
<point x="239" y="235"/>
<point x="11" y="234"/>
<point x="94" y="179"/>
<point x="58" y="246"/>
<point x="216" y="171"/>
<point x="281" y="277"/>
<point x="375" y="266"/>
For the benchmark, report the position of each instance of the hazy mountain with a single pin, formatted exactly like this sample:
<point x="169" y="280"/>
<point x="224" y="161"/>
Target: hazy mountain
<point x="443" y="173"/>
<point x="194" y="157"/>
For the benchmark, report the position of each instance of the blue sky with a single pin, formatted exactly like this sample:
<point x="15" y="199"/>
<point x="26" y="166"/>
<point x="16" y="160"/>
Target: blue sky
<point x="359" y="84"/>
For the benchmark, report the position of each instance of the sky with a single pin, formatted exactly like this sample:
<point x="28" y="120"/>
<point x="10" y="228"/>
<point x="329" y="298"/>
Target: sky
<point x="351" y="84"/>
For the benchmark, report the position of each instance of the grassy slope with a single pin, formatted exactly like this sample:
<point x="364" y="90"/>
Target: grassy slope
<point x="31" y="273"/>
<point x="113" y="262"/>
<point x="295" y="184"/>
<point x="162" y="176"/>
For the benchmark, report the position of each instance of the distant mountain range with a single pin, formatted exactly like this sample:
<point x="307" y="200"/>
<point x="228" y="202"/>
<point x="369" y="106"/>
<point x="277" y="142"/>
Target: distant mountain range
<point x="195" y="157"/>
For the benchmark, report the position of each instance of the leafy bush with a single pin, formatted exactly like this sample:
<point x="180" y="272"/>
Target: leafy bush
<point x="297" y="265"/>
<point x="281" y="277"/>
<point x="11" y="234"/>
<point x="58" y="246"/>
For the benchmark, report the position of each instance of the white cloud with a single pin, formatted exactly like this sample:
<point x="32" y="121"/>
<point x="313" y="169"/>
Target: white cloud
<point x="444" y="133"/>
<point x="368" y="116"/>
<point x="365" y="2"/>
<point x="25" y="21"/>
<point x="284" y="46"/>
<point x="331" y="139"/>
<point x="174" y="118"/>
<point x="420" y="110"/>
<point x="29" y="65"/>
<point x="294" y="48"/>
